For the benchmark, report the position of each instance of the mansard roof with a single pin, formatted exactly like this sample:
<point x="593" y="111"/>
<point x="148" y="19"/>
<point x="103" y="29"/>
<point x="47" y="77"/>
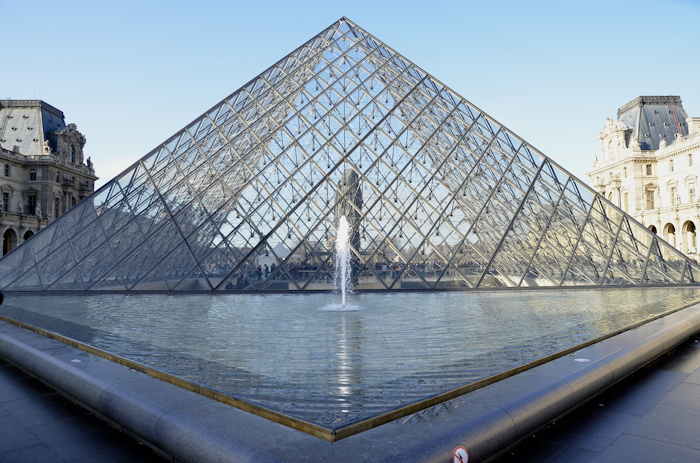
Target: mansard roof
<point x="654" y="118"/>
<point x="25" y="125"/>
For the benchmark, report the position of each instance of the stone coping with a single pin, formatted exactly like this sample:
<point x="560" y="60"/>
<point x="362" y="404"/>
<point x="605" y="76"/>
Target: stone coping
<point x="191" y="427"/>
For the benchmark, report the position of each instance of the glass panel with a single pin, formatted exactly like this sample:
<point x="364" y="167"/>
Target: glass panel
<point x="437" y="195"/>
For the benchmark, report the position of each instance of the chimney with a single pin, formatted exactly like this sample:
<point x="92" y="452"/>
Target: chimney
<point x="693" y="125"/>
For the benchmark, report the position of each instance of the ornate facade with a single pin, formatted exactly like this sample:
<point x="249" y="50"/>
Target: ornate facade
<point x="43" y="168"/>
<point x="649" y="164"/>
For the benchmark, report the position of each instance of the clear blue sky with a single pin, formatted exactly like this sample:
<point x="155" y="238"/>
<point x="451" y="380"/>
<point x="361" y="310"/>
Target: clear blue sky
<point x="130" y="74"/>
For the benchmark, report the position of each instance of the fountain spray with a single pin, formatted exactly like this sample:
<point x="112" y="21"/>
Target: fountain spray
<point x="342" y="258"/>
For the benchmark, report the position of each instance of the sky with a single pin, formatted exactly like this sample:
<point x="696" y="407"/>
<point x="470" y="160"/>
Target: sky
<point x="130" y="74"/>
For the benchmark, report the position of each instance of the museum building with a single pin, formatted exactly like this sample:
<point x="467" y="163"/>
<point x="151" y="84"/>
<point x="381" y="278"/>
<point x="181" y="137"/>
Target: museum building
<point x="649" y="164"/>
<point x="43" y="169"/>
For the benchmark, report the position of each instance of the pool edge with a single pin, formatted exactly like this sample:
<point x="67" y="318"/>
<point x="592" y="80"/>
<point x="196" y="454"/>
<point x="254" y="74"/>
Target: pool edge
<point x="484" y="435"/>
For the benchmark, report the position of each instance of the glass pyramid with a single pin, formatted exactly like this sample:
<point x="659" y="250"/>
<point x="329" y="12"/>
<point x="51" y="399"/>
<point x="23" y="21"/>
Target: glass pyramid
<point x="439" y="195"/>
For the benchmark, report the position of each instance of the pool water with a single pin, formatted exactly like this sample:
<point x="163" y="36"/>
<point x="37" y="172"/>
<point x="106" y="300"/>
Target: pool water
<point x="306" y="356"/>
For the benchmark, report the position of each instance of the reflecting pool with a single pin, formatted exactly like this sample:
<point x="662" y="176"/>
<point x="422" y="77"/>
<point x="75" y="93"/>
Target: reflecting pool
<point x="291" y="354"/>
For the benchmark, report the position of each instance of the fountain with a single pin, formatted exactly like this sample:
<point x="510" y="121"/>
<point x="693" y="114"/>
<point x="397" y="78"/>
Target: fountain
<point x="343" y="269"/>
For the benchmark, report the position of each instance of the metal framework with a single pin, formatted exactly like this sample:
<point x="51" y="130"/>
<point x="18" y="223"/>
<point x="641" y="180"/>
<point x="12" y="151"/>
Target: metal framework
<point x="439" y="195"/>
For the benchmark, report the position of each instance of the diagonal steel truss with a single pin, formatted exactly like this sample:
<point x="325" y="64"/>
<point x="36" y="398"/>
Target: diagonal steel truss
<point x="439" y="195"/>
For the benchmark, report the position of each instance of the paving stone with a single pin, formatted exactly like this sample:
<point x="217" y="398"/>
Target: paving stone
<point x="656" y="408"/>
<point x="39" y="425"/>
<point x="534" y="449"/>
<point x="643" y="392"/>
<point x="670" y="424"/>
<point x="572" y="455"/>
<point x="694" y="378"/>
<point x="640" y="450"/>
<point x="685" y="396"/>
<point x="594" y="428"/>
<point x="34" y="454"/>
<point x="41" y="410"/>
<point x="14" y="436"/>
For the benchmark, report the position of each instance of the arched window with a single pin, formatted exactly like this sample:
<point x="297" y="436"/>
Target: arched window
<point x="9" y="241"/>
<point x="28" y="234"/>
<point x="670" y="234"/>
<point x="689" y="238"/>
<point x="652" y="228"/>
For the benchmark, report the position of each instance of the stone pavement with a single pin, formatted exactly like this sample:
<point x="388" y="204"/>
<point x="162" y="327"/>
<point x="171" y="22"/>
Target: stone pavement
<point x="653" y="416"/>
<point x="39" y="425"/>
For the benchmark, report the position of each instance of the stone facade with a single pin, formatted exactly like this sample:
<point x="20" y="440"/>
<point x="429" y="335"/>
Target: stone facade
<point x="649" y="165"/>
<point x="43" y="169"/>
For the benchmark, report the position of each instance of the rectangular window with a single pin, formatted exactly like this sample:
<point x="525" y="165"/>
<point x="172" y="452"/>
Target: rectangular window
<point x="7" y="170"/>
<point x="648" y="167"/>
<point x="670" y="164"/>
<point x="690" y="159"/>
<point x="31" y="204"/>
<point x="673" y="196"/>
<point x="650" y="199"/>
<point x="624" y="170"/>
<point x="691" y="194"/>
<point x="6" y="202"/>
<point x="625" y="201"/>
<point x="32" y="175"/>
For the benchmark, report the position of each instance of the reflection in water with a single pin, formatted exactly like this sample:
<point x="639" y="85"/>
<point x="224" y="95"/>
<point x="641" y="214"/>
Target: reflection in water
<point x="331" y="368"/>
<point x="348" y="366"/>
